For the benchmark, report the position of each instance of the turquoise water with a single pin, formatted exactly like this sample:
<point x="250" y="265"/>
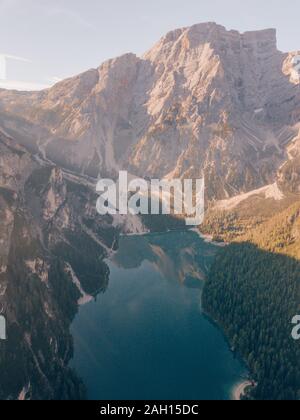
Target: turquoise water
<point x="146" y="337"/>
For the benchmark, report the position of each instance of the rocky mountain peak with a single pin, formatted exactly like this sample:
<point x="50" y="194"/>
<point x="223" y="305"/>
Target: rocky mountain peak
<point x="291" y="67"/>
<point x="218" y="37"/>
<point x="202" y="100"/>
<point x="261" y="38"/>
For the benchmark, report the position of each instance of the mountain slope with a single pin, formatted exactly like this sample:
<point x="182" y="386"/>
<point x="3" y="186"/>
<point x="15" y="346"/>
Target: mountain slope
<point x="253" y="292"/>
<point x="51" y="250"/>
<point x="203" y="100"/>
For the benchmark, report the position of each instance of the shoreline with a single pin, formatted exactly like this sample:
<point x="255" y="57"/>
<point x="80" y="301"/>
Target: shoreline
<point x="239" y="390"/>
<point x="208" y="238"/>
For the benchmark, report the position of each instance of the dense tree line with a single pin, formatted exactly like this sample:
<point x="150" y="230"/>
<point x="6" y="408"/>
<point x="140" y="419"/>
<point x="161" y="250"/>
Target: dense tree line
<point x="253" y="294"/>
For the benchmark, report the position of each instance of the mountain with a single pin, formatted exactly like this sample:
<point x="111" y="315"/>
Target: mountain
<point x="253" y="293"/>
<point x="51" y="260"/>
<point x="202" y="100"/>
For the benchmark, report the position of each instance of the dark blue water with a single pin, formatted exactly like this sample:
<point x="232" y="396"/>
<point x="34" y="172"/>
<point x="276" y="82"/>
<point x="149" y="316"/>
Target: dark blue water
<point x="146" y="337"/>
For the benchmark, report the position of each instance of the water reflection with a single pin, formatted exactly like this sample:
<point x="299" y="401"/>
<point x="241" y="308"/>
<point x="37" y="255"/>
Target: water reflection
<point x="186" y="261"/>
<point x="146" y="337"/>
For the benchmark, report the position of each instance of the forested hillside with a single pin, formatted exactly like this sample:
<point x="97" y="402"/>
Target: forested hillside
<point x="253" y="292"/>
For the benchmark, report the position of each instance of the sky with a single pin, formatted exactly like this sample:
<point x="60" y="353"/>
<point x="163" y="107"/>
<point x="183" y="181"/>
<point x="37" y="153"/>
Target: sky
<point x="60" y="38"/>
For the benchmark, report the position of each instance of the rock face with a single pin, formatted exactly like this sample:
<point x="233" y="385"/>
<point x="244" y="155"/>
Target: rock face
<point x="50" y="244"/>
<point x="202" y="100"/>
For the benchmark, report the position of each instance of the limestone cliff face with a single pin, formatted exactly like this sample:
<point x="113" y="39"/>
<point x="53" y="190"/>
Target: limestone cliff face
<point x="202" y="100"/>
<point x="51" y="244"/>
<point x="221" y="105"/>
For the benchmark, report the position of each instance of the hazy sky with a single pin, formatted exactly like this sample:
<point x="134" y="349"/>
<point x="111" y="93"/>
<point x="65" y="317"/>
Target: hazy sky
<point x="65" y="37"/>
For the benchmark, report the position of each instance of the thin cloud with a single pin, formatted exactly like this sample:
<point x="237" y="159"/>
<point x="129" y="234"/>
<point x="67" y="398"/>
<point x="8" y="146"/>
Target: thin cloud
<point x="15" y="57"/>
<point x="72" y="16"/>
